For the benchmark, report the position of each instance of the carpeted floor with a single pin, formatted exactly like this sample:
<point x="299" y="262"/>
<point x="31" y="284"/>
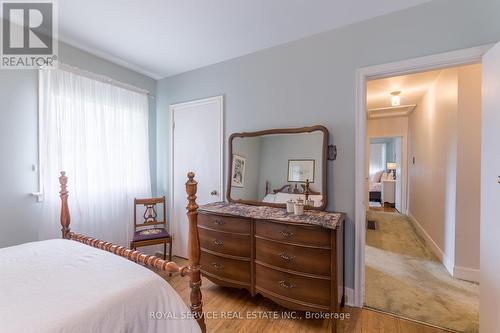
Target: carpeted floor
<point x="403" y="277"/>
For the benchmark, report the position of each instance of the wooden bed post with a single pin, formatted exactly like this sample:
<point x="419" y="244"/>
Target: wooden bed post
<point x="65" y="217"/>
<point x="194" y="253"/>
<point x="192" y="269"/>
<point x="306" y="190"/>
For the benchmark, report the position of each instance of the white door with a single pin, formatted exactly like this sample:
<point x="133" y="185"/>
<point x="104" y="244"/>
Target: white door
<point x="197" y="145"/>
<point x="490" y="194"/>
<point x="398" y="149"/>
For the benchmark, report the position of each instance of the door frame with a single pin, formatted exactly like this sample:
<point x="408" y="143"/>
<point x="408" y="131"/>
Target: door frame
<point x="171" y="109"/>
<point x="410" y="66"/>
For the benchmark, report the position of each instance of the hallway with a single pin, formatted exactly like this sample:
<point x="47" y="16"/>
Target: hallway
<point x="404" y="277"/>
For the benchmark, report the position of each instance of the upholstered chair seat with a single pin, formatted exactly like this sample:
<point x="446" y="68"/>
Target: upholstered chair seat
<point x="152" y="233"/>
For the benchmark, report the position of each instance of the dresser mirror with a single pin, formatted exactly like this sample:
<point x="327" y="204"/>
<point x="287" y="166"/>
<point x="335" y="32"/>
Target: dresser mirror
<point x="274" y="166"/>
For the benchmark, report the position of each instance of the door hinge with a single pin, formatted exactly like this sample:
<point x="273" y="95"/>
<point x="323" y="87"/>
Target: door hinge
<point x="173" y="125"/>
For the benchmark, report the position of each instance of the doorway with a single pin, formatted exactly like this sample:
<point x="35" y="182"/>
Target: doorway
<point x="439" y="249"/>
<point x="385" y="173"/>
<point x="411" y="257"/>
<point x="195" y="125"/>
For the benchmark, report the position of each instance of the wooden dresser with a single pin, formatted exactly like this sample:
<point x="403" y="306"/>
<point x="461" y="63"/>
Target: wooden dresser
<point x="297" y="261"/>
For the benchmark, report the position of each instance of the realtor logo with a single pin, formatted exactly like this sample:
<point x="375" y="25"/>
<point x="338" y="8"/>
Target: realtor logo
<point x="28" y="34"/>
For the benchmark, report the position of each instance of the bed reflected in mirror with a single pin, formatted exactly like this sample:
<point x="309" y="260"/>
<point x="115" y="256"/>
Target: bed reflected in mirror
<point x="276" y="166"/>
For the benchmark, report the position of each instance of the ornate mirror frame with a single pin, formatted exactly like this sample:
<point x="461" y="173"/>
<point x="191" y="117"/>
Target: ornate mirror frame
<point x="324" y="163"/>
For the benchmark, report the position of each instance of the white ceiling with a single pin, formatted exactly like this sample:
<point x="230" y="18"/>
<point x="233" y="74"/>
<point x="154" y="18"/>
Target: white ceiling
<point x="164" y="37"/>
<point x="412" y="87"/>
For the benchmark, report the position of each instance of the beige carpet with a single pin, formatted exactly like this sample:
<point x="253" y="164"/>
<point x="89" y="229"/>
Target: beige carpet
<point x="403" y="277"/>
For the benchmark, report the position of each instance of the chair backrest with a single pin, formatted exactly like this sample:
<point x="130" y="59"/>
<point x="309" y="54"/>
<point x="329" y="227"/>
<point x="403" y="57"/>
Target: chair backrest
<point x="150" y="215"/>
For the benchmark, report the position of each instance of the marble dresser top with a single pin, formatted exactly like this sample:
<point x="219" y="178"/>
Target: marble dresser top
<point x="314" y="217"/>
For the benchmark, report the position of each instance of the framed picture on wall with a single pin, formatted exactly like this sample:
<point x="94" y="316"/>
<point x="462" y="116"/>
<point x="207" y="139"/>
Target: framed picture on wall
<point x="301" y="170"/>
<point x="238" y="171"/>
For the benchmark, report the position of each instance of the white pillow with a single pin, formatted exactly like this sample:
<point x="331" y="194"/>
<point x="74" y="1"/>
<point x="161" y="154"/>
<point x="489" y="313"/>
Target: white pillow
<point x="269" y="198"/>
<point x="284" y="197"/>
<point x="375" y="177"/>
<point x="386" y="176"/>
<point x="317" y="199"/>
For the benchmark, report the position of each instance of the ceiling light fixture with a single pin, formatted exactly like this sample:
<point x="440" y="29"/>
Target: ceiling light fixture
<point x="396" y="99"/>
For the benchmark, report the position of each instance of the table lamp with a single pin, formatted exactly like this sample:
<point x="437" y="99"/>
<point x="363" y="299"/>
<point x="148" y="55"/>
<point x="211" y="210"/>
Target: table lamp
<point x="392" y="166"/>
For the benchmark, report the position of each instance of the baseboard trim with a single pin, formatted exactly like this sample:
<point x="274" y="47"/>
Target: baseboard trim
<point x="349" y="294"/>
<point x="467" y="274"/>
<point x="448" y="264"/>
<point x="410" y="319"/>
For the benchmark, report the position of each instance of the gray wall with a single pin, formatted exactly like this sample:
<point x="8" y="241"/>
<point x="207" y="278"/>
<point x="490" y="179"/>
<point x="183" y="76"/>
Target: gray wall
<point x="312" y="81"/>
<point x="19" y="212"/>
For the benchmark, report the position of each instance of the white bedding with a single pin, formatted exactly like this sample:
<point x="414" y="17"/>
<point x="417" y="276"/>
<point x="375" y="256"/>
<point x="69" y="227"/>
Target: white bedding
<point x="64" y="286"/>
<point x="375" y="187"/>
<point x="284" y="197"/>
<point x="269" y="198"/>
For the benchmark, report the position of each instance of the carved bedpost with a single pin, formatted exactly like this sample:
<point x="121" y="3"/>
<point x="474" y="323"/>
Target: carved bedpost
<point x="65" y="217"/>
<point x="194" y="252"/>
<point x="306" y="190"/>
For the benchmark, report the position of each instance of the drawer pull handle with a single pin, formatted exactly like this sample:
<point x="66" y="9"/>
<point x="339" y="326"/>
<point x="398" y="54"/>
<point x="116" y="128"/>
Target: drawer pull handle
<point x="219" y="222"/>
<point x="285" y="256"/>
<point x="286" y="234"/>
<point x="286" y="284"/>
<point x="218" y="243"/>
<point x="218" y="266"/>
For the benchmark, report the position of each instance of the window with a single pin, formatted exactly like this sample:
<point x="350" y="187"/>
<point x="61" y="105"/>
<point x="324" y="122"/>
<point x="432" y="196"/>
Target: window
<point x="98" y="133"/>
<point x="377" y="157"/>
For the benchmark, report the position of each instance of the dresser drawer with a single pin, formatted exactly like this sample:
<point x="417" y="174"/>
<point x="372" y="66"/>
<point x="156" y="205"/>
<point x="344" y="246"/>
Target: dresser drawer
<point x="294" y="257"/>
<point x="235" y="245"/>
<point x="224" y="223"/>
<point x="305" y="235"/>
<point x="300" y="288"/>
<point x="236" y="270"/>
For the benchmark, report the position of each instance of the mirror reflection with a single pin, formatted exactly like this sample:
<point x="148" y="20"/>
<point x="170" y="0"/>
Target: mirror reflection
<point x="277" y="168"/>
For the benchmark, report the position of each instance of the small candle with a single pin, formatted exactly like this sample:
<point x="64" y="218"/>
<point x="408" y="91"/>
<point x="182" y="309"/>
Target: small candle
<point x="298" y="209"/>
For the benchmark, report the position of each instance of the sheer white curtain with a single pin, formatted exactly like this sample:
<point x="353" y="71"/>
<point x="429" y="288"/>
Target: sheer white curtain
<point x="98" y="134"/>
<point x="377" y="157"/>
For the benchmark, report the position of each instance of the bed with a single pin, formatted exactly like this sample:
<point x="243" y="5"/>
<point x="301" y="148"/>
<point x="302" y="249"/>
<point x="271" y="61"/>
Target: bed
<point x="292" y="192"/>
<point x="82" y="284"/>
<point x="377" y="185"/>
<point x="376" y="191"/>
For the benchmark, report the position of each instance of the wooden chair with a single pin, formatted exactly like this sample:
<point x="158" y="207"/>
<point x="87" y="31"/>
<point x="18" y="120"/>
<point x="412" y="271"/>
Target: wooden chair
<point x="151" y="231"/>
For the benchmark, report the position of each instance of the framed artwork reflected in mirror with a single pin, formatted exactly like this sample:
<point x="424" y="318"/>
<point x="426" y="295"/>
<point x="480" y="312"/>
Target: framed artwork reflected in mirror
<point x="238" y="171"/>
<point x="301" y="170"/>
